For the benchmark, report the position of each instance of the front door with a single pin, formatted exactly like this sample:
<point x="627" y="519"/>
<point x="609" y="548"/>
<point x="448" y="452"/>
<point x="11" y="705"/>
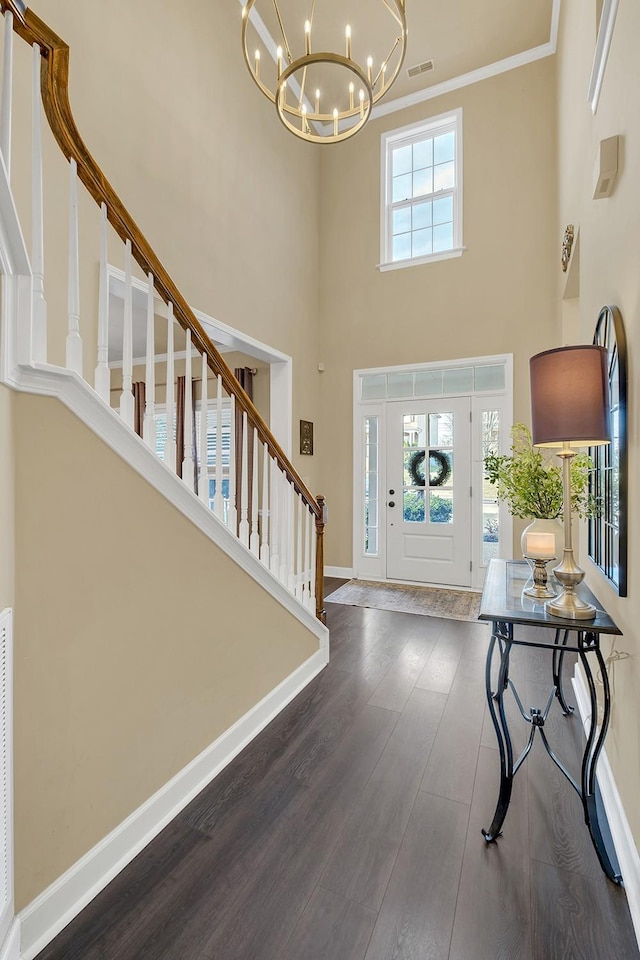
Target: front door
<point x="429" y="491"/>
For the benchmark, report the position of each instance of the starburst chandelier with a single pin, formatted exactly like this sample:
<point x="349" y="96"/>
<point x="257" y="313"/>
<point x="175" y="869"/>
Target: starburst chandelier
<point x="327" y="96"/>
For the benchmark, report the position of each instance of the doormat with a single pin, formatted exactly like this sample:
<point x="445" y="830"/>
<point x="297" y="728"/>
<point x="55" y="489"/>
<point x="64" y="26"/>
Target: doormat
<point x="402" y="598"/>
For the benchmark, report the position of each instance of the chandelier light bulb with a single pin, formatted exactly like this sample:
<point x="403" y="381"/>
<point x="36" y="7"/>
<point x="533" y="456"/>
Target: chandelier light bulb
<point x="307" y="37"/>
<point x="336" y="115"/>
<point x="347" y="34"/>
<point x="369" y="67"/>
<point x="317" y="101"/>
<point x="279" y="59"/>
<point x="257" y="63"/>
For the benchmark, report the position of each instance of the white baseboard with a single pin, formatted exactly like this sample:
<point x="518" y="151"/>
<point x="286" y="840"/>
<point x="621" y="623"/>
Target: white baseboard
<point x="10" y="949"/>
<point x="56" y="906"/>
<point x="345" y="573"/>
<point x="623" y="841"/>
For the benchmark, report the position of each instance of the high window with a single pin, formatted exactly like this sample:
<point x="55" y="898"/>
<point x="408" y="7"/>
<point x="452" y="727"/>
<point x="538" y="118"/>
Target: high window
<point x="421" y="215"/>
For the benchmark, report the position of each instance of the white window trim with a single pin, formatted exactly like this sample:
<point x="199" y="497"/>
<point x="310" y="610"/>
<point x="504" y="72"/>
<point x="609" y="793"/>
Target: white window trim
<point x="452" y="117"/>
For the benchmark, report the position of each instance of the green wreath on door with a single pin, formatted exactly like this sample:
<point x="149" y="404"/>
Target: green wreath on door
<point x="439" y="468"/>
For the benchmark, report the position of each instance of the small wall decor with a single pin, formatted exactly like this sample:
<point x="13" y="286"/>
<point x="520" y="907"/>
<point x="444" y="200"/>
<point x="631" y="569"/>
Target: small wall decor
<point x="567" y="244"/>
<point x="439" y="468"/>
<point x="306" y="437"/>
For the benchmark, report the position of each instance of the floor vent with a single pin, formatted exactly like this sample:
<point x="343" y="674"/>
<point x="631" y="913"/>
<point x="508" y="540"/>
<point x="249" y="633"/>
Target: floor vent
<point x="420" y="68"/>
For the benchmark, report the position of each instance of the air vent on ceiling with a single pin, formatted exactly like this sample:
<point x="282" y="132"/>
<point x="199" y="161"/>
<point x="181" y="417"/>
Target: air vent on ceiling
<point x="419" y="68"/>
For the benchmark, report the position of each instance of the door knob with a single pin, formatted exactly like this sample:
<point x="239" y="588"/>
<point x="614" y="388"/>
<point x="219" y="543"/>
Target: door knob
<point x="391" y="503"/>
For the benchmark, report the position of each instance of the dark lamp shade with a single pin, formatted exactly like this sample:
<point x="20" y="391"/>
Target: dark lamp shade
<point x="570" y="397"/>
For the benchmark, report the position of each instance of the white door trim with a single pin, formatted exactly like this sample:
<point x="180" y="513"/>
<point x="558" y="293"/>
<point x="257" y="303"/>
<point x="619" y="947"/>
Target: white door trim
<point x="374" y="567"/>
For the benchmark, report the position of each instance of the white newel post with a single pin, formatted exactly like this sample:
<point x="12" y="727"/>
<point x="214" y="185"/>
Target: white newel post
<point x="149" y="424"/>
<point x="170" y="443"/>
<point x="244" y="484"/>
<point x="254" y="542"/>
<point x="218" y="498"/>
<point x="264" y="546"/>
<point x="203" y="475"/>
<point x="187" y="461"/>
<point x="102" y="373"/>
<point x="39" y="326"/>
<point x="127" y="405"/>
<point x="74" y="341"/>
<point x="7" y="93"/>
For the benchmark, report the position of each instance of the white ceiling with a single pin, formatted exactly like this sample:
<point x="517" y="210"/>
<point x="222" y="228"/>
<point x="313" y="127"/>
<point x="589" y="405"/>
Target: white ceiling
<point x="460" y="36"/>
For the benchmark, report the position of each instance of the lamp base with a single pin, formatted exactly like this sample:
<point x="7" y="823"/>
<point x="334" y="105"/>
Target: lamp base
<point x="570" y="607"/>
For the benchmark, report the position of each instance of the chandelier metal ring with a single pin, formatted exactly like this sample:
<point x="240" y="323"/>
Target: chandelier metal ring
<point x="305" y="119"/>
<point x="361" y="111"/>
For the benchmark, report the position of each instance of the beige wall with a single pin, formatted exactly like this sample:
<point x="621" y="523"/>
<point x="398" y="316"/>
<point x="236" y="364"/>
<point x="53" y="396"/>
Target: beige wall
<point x="609" y="258"/>
<point x="132" y="654"/>
<point x="228" y="200"/>
<point x="7" y="577"/>
<point x="499" y="297"/>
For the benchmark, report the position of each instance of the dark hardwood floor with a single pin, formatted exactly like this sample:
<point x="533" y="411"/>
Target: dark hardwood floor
<point x="350" y="828"/>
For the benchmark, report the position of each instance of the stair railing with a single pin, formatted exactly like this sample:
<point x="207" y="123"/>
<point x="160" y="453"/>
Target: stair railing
<point x="275" y="516"/>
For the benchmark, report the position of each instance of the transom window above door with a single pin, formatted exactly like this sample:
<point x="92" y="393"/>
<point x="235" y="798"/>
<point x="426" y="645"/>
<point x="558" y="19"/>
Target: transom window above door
<point x="421" y="215"/>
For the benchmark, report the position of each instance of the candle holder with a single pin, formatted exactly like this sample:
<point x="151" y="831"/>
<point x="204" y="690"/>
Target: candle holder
<point x="540" y="589"/>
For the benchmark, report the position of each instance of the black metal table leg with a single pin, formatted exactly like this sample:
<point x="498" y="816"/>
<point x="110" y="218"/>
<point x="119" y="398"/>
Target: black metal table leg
<point x="501" y="634"/>
<point x="591" y="801"/>
<point x="558" y="658"/>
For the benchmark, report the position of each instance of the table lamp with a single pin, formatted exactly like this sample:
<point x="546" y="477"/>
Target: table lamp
<point x="569" y="410"/>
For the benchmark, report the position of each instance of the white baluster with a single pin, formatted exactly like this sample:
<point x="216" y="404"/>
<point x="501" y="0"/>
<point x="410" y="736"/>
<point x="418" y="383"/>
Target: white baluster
<point x="299" y="560"/>
<point x="127" y="404"/>
<point x="39" y="331"/>
<point x="274" y="502"/>
<point x="203" y="476"/>
<point x="312" y="568"/>
<point x="7" y="93"/>
<point x="264" y="546"/>
<point x="232" y="512"/>
<point x="283" y="538"/>
<point x="218" y="499"/>
<point x="307" y="562"/>
<point x="102" y="373"/>
<point x="149" y="425"/>
<point x="291" y="515"/>
<point x="254" y="542"/>
<point x="170" y="445"/>
<point x="74" y="341"/>
<point x="187" y="462"/>
<point x="244" y="483"/>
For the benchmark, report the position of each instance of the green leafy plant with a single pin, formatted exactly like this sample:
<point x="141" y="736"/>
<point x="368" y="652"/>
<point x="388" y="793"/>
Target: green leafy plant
<point x="530" y="483"/>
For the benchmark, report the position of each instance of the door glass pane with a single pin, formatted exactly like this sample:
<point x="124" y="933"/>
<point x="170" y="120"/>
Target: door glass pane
<point x="490" y="513"/>
<point x="374" y="388"/>
<point x="441" y="429"/>
<point x="428" y="383"/>
<point x="370" y="525"/>
<point x="490" y="377"/>
<point x="414" y="506"/>
<point x="441" y="468"/>
<point x="458" y="380"/>
<point x="414" y="430"/>
<point x="413" y="467"/>
<point x="441" y="506"/>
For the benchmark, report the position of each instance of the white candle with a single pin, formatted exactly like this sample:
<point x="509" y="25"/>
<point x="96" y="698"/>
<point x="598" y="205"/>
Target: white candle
<point x="351" y="92"/>
<point x="257" y="63"/>
<point x="347" y="34"/>
<point x="279" y="57"/>
<point x="541" y="546"/>
<point x="307" y="37"/>
<point x="369" y="67"/>
<point x="361" y="103"/>
<point x="335" y="121"/>
<point x="317" y="101"/>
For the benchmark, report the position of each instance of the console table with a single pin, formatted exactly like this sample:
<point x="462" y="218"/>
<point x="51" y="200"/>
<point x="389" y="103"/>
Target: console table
<point x="506" y="607"/>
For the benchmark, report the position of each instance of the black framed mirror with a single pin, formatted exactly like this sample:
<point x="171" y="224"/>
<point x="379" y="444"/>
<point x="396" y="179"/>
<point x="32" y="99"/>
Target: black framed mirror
<point x="608" y="531"/>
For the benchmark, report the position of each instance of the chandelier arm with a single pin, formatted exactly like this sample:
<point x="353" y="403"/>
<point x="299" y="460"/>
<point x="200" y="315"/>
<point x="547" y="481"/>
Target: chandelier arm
<point x="394" y="13"/>
<point x="386" y="60"/>
<point x="282" y="31"/>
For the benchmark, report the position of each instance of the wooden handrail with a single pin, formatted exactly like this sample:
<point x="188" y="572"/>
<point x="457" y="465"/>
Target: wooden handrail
<point x="54" y="79"/>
